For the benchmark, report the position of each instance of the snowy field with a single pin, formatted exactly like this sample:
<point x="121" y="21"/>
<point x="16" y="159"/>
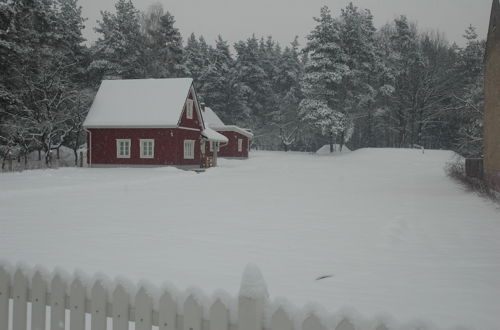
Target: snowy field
<point x="398" y="236"/>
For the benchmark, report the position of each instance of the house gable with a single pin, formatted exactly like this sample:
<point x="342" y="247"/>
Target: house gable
<point x="196" y="120"/>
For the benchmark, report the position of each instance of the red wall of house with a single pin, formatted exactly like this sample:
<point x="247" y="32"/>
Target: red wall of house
<point x="231" y="149"/>
<point x="192" y="123"/>
<point x="168" y="146"/>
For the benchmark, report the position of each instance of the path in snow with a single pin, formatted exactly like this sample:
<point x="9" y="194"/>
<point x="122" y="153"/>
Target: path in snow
<point x="398" y="236"/>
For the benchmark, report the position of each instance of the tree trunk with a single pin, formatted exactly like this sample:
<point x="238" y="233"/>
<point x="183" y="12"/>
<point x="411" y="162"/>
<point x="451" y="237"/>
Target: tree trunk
<point x="341" y="144"/>
<point x="76" y="157"/>
<point x="331" y="142"/>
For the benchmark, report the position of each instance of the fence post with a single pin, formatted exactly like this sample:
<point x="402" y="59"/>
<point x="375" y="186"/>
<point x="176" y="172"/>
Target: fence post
<point x="20" y="297"/>
<point x="252" y="299"/>
<point x="4" y="298"/>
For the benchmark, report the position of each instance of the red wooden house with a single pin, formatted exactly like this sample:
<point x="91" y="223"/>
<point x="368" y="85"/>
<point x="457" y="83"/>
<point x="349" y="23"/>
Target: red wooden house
<point x="147" y="122"/>
<point x="238" y="144"/>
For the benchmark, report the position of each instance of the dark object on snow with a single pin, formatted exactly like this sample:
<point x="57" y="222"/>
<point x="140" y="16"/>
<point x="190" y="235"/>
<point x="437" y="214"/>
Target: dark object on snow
<point x="322" y="277"/>
<point x="474" y="168"/>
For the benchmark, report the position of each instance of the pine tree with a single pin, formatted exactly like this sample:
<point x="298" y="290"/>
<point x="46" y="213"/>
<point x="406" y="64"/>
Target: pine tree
<point x="119" y="52"/>
<point x="358" y="92"/>
<point x="221" y="90"/>
<point x="255" y="83"/>
<point x="470" y="99"/>
<point x="47" y="66"/>
<point x="164" y="49"/>
<point x="287" y="88"/>
<point x="405" y="61"/>
<point x="323" y="77"/>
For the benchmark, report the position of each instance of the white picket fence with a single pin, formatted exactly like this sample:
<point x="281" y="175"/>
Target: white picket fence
<point x="46" y="301"/>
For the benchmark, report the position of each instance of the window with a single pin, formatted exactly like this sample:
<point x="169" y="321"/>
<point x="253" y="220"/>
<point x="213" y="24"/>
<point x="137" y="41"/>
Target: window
<point x="188" y="149"/>
<point x="189" y="109"/>
<point x="147" y="148"/>
<point x="123" y="148"/>
<point x="240" y="145"/>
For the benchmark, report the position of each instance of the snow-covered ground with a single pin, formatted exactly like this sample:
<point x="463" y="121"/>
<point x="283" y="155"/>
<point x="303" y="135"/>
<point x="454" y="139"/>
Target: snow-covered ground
<point x="396" y="234"/>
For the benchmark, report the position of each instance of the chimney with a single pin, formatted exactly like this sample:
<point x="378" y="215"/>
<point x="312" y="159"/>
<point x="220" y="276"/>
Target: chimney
<point x="202" y="105"/>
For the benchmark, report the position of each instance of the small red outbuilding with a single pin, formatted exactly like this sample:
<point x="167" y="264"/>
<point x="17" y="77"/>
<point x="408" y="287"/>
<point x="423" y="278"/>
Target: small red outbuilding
<point x="147" y="122"/>
<point x="238" y="144"/>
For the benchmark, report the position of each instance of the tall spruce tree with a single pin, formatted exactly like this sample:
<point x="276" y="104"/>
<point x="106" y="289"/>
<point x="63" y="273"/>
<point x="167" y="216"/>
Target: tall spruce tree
<point x="358" y="92"/>
<point x="323" y="77"/>
<point x="119" y="52"/>
<point x="287" y="89"/>
<point x="164" y="49"/>
<point x="255" y="83"/>
<point x="470" y="99"/>
<point x="220" y="89"/>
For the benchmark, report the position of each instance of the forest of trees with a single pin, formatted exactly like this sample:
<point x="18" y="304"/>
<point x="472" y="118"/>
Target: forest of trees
<point x="349" y="84"/>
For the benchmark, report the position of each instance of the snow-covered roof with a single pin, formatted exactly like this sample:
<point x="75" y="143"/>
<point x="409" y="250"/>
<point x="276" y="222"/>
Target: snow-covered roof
<point x="212" y="135"/>
<point x="211" y="119"/>
<point x="236" y="129"/>
<point x="139" y="103"/>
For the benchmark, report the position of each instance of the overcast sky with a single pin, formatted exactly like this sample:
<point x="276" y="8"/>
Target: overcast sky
<point x="283" y="19"/>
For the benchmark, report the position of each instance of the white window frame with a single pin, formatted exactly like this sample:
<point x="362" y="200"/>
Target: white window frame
<point x="189" y="109"/>
<point x="142" y="143"/>
<point x="240" y="145"/>
<point x="189" y="149"/>
<point x="118" y="148"/>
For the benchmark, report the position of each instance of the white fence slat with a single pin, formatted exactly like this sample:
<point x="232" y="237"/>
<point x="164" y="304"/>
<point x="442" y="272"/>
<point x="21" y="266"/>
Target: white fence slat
<point x="77" y="295"/>
<point x="219" y="316"/>
<point x="20" y="295"/>
<point x="98" y="302"/>
<point x="167" y="312"/>
<point x="313" y="323"/>
<point x="345" y="324"/>
<point x="143" y="310"/>
<point x="4" y="298"/>
<point x="281" y="321"/>
<point x="192" y="314"/>
<point x="38" y="303"/>
<point x="120" y="308"/>
<point x="57" y="303"/>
